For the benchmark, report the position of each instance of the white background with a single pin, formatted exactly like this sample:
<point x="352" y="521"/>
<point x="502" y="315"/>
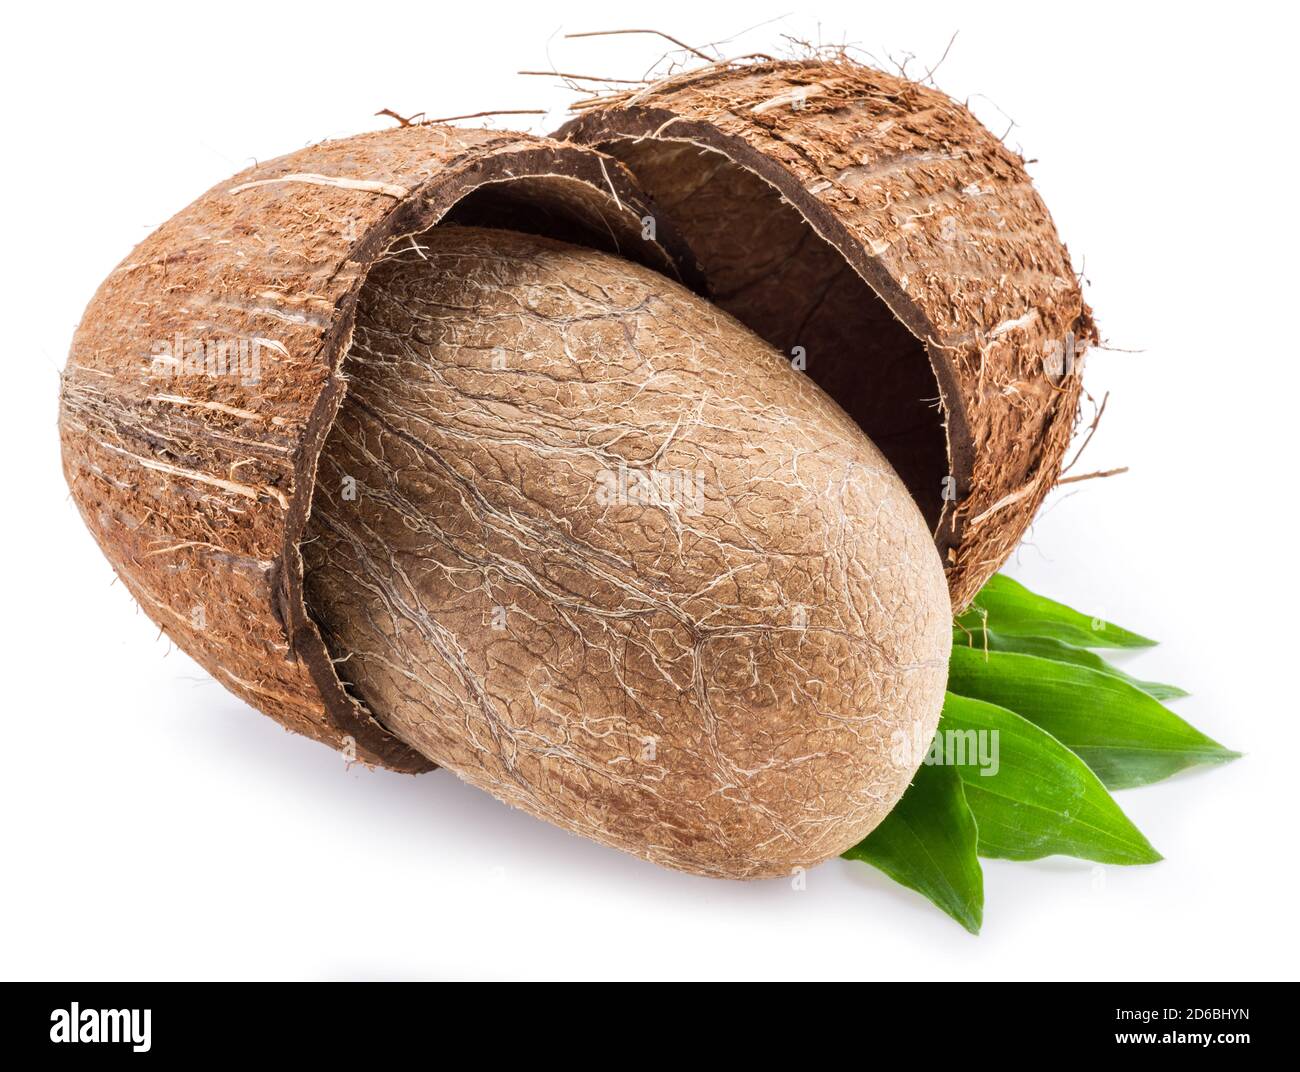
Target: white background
<point x="152" y="825"/>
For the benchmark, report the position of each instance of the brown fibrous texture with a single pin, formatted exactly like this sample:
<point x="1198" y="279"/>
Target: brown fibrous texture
<point x="204" y="377"/>
<point x="591" y="544"/>
<point x="874" y="222"/>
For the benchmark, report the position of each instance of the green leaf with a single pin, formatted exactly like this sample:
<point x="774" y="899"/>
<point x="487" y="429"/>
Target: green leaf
<point x="1123" y="734"/>
<point x="927" y="843"/>
<point x="1047" y="648"/>
<point x="1011" y="609"/>
<point x="1040" y="800"/>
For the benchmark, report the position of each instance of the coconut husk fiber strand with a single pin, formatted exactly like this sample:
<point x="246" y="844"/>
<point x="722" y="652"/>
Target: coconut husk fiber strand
<point x="592" y="545"/>
<point x="204" y="377"/>
<point x="874" y="223"/>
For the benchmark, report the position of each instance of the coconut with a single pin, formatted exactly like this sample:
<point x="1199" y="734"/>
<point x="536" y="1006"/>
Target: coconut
<point x="872" y="228"/>
<point x="204" y="378"/>
<point x="590" y="543"/>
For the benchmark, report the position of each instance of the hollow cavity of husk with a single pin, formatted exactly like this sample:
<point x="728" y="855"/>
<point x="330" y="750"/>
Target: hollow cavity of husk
<point x="589" y="543"/>
<point x="874" y="227"/>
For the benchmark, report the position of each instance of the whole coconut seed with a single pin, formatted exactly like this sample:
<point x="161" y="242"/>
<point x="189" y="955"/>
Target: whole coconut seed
<point x="588" y="542"/>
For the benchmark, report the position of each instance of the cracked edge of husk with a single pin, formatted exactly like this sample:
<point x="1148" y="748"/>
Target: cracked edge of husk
<point x="983" y="348"/>
<point x="177" y="533"/>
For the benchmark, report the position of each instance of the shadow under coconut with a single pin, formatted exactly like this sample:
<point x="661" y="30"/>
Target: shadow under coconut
<point x="434" y="813"/>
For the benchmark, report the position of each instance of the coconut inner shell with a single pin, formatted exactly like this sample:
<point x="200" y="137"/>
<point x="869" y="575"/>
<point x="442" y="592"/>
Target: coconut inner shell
<point x="596" y="548"/>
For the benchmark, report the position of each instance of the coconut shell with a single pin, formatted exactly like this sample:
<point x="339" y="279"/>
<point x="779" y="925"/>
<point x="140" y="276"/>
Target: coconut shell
<point x="875" y="223"/>
<point x="593" y="545"/>
<point x="204" y="377"/>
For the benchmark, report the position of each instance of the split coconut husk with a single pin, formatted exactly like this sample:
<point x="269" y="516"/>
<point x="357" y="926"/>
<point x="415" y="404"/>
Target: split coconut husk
<point x="205" y="376"/>
<point x="871" y="227"/>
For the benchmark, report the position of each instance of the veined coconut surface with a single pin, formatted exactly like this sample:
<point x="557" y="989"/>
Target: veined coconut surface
<point x="590" y="543"/>
<point x="876" y="224"/>
<point x="204" y="377"/>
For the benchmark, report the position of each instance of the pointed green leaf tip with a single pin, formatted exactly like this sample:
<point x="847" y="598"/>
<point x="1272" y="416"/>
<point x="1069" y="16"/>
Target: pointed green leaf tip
<point x="1030" y="795"/>
<point x="1009" y="608"/>
<point x="928" y="844"/>
<point x="1126" y="737"/>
